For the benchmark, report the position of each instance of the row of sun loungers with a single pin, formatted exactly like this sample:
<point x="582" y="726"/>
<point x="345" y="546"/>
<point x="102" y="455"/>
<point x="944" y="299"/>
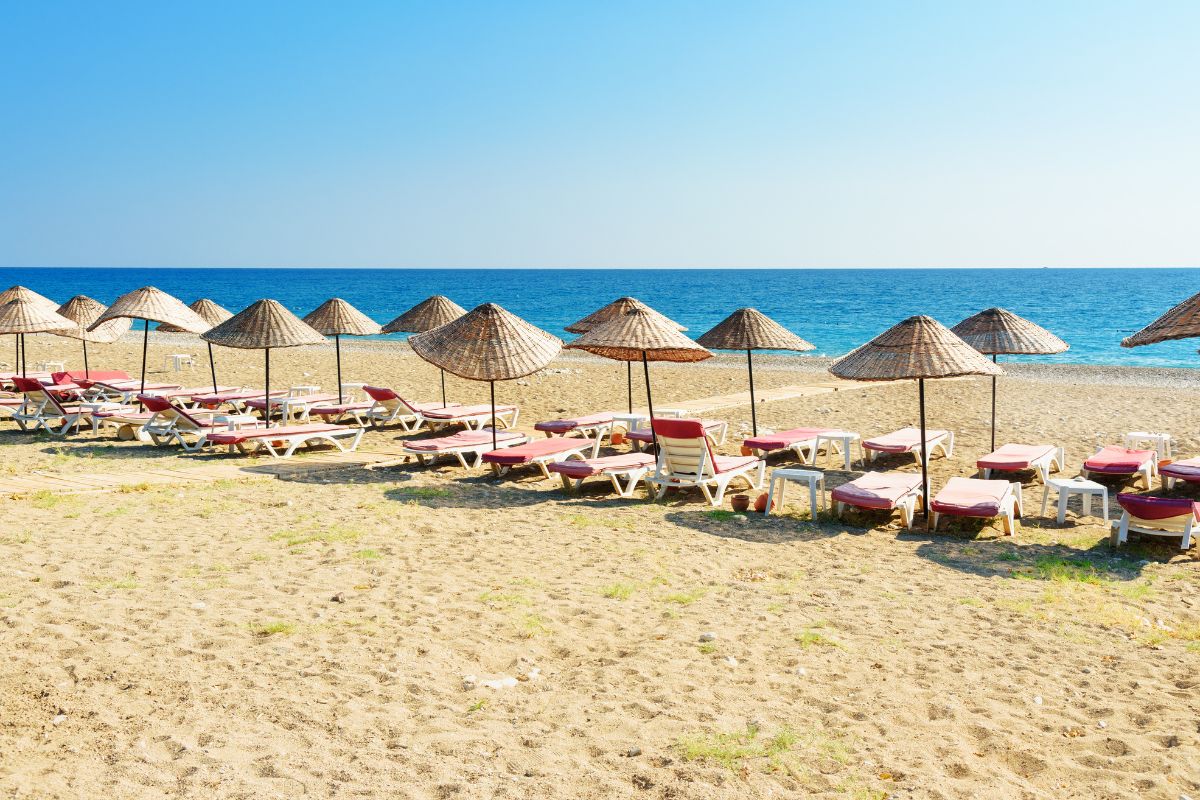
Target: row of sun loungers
<point x="63" y="402"/>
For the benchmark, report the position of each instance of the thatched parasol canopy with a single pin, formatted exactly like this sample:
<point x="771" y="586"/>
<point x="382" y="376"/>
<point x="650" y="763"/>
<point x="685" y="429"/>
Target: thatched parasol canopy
<point x="263" y="325"/>
<point x="25" y="315"/>
<point x="83" y="311"/>
<point x="487" y="344"/>
<point x="749" y="329"/>
<point x="207" y="310"/>
<point x="1000" y="332"/>
<point x="615" y="310"/>
<point x="1181" y="322"/>
<point x="426" y="315"/>
<point x="336" y="317"/>
<point x="637" y="335"/>
<point x="22" y="293"/>
<point x="917" y="348"/>
<point x="154" y="305"/>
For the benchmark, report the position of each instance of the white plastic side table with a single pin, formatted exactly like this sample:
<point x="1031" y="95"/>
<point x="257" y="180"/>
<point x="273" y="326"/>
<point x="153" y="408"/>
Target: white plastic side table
<point x="1160" y="441"/>
<point x="816" y="487"/>
<point x="846" y="439"/>
<point x="1069" y="486"/>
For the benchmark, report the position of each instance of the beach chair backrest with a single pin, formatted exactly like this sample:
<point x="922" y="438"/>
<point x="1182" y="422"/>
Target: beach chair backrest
<point x="36" y="393"/>
<point x="94" y="375"/>
<point x="169" y="412"/>
<point x="385" y="398"/>
<point x="1158" y="508"/>
<point x="683" y="448"/>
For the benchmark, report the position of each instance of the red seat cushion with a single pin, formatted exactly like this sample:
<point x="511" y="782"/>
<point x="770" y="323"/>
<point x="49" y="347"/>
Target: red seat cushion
<point x="460" y="440"/>
<point x="603" y="465"/>
<point x="279" y="432"/>
<point x="783" y="439"/>
<point x="882" y="490"/>
<point x="537" y="448"/>
<point x="568" y="425"/>
<point x="1187" y="470"/>
<point x="971" y="497"/>
<point x="902" y="441"/>
<point x="1113" y="460"/>
<point x="1009" y="457"/>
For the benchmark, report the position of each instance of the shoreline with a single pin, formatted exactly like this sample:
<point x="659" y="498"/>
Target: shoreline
<point x="1056" y="372"/>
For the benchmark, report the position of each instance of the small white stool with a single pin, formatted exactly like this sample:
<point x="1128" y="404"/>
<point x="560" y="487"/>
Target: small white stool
<point x="51" y="366"/>
<point x="177" y="361"/>
<point x="846" y="440"/>
<point x="1160" y="441"/>
<point x="816" y="487"/>
<point x="1069" y="486"/>
<point x="236" y="421"/>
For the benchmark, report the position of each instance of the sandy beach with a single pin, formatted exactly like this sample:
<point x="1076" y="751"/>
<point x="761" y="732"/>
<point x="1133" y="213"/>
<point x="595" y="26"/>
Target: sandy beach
<point x="425" y="632"/>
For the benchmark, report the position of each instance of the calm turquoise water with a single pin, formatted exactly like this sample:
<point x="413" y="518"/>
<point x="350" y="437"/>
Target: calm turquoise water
<point x="1092" y="309"/>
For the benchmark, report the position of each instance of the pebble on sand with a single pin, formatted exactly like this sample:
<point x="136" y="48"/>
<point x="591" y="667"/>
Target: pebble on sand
<point x="707" y="636"/>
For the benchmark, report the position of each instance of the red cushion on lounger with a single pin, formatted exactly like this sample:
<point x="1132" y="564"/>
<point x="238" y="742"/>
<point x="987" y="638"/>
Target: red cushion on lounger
<point x="1011" y="457"/>
<point x="338" y="410"/>
<point x="526" y="453"/>
<point x="877" y="489"/>
<point x="1144" y="507"/>
<point x="568" y="425"/>
<point x="902" y="441"/>
<point x="1186" y="470"/>
<point x="729" y="463"/>
<point x="306" y="398"/>
<point x="451" y="412"/>
<point x="599" y="466"/>
<point x="1115" y="460"/>
<point x="971" y="497"/>
<point x="460" y="439"/>
<point x="278" y="432"/>
<point x="91" y="375"/>
<point x="783" y="439"/>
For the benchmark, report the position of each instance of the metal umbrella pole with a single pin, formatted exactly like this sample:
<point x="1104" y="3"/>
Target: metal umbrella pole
<point x="492" y="386"/>
<point x="924" y="455"/>
<point x="267" y="388"/>
<point x="629" y="383"/>
<point x="993" y="407"/>
<point x="212" y="366"/>
<point x="443" y="386"/>
<point x="337" y="345"/>
<point x="753" y="411"/>
<point x="85" y="361"/>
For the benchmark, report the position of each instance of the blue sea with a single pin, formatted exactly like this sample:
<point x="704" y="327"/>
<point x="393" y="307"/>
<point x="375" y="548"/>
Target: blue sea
<point x="835" y="309"/>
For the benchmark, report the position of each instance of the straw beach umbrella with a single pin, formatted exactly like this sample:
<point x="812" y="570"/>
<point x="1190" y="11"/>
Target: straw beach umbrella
<point x="263" y="325"/>
<point x="214" y="315"/>
<point x="915" y="349"/>
<point x="640" y="335"/>
<point x="1181" y="322"/>
<point x="619" y="308"/>
<point x="337" y="318"/>
<point x="22" y="293"/>
<point x="997" y="332"/>
<point x="487" y="344"/>
<point x="83" y="311"/>
<point x="426" y="315"/>
<point x="152" y="305"/>
<point x="24" y="316"/>
<point x="750" y="330"/>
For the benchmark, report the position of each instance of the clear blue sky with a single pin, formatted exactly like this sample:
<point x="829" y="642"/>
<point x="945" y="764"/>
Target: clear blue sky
<point x="688" y="133"/>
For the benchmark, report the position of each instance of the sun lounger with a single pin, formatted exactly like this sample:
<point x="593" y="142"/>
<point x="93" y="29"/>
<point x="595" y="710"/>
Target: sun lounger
<point x="975" y="497"/>
<point x="716" y="430"/>
<point x="389" y="407"/>
<point x="1157" y="516"/>
<point x="590" y="426"/>
<point x="1113" y="460"/>
<point x="541" y="453"/>
<point x="470" y="443"/>
<point x="1187" y="470"/>
<point x="8" y="379"/>
<point x="188" y="427"/>
<point x="908" y="440"/>
<point x="882" y="491"/>
<point x="282" y="441"/>
<point x="686" y="459"/>
<point x="801" y="441"/>
<point x="120" y="391"/>
<point x="88" y="377"/>
<point x="1044" y="458"/>
<point x="630" y="466"/>
<point x="44" y="410"/>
